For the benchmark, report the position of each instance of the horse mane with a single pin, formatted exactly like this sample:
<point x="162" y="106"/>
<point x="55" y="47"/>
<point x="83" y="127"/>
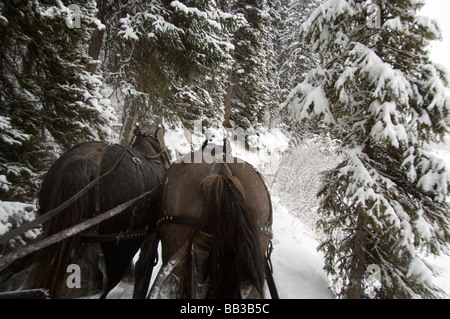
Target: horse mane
<point x="235" y="255"/>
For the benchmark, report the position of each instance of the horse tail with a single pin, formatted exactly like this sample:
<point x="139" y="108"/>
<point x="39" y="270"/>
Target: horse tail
<point x="235" y="255"/>
<point x="60" y="184"/>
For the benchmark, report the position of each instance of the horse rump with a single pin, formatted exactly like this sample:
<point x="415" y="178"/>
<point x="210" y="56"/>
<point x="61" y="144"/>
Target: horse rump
<point x="235" y="256"/>
<point x="62" y="181"/>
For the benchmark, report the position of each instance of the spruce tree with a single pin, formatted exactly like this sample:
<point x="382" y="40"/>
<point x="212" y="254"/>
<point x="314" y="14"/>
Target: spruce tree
<point x="169" y="60"/>
<point x="384" y="207"/>
<point x="250" y="77"/>
<point x="48" y="101"/>
<point x="294" y="57"/>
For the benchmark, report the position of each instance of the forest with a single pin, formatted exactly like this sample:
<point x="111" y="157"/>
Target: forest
<point x="356" y="72"/>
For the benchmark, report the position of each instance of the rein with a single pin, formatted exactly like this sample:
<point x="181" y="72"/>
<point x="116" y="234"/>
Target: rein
<point x="71" y="231"/>
<point x="47" y="216"/>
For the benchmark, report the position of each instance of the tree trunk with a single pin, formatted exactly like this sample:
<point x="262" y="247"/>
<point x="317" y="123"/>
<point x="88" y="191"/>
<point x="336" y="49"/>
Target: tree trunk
<point x="226" y="122"/>
<point x="129" y="118"/>
<point x="94" y="49"/>
<point x="96" y="42"/>
<point x="357" y="269"/>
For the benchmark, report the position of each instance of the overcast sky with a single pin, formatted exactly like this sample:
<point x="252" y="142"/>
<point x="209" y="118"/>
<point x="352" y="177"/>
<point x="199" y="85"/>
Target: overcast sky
<point x="440" y="11"/>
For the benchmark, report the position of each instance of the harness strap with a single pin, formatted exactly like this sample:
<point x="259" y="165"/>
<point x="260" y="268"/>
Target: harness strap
<point x="104" y="238"/>
<point x="184" y="220"/>
<point x="48" y="215"/>
<point x="271" y="281"/>
<point x="191" y="221"/>
<point x="26" y="250"/>
<point x="99" y="152"/>
<point x="25" y="294"/>
<point x="148" y="259"/>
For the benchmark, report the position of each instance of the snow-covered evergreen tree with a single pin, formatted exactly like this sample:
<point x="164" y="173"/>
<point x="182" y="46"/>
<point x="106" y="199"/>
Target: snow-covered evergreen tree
<point x="380" y="95"/>
<point x="294" y="57"/>
<point x="48" y="101"/>
<point x="252" y="71"/>
<point x="170" y="59"/>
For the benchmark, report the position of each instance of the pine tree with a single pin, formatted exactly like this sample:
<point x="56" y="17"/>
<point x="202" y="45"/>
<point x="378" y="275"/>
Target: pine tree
<point x="169" y="60"/>
<point x="48" y="101"/>
<point x="249" y="79"/>
<point x="294" y="57"/>
<point x="382" y="98"/>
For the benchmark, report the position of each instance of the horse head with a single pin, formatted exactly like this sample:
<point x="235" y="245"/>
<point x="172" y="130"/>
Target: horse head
<point x="151" y="145"/>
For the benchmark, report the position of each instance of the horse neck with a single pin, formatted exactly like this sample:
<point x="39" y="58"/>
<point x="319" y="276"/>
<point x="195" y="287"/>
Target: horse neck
<point x="145" y="146"/>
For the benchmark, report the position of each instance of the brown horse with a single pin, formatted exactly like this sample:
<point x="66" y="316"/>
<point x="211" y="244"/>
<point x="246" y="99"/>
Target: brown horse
<point x="106" y="250"/>
<point x="215" y="228"/>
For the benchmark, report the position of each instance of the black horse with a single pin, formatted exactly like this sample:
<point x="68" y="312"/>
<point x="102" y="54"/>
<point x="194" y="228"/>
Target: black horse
<point x="104" y="252"/>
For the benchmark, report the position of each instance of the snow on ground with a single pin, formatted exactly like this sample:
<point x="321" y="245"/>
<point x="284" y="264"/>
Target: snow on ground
<point x="442" y="266"/>
<point x="298" y="267"/>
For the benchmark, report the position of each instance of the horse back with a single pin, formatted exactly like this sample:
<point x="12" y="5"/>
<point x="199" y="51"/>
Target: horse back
<point x="182" y="197"/>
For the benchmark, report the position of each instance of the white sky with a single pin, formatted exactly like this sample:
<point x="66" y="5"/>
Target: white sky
<point x="440" y="11"/>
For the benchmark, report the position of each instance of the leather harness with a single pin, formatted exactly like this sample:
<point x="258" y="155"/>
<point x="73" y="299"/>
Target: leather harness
<point x="205" y="238"/>
<point x="191" y="221"/>
<point x="92" y="236"/>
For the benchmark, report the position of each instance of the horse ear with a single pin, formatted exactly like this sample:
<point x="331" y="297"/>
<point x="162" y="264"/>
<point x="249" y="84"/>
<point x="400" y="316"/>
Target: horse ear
<point x="159" y="127"/>
<point x="137" y="129"/>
